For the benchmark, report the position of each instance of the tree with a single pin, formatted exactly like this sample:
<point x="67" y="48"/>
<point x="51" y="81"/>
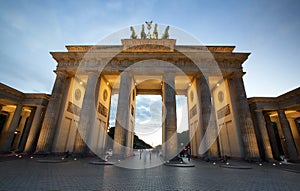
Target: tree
<point x="137" y="142"/>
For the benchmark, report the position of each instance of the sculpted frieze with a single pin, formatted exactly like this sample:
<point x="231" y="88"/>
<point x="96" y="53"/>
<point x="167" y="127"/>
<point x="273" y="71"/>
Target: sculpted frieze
<point x="148" y="45"/>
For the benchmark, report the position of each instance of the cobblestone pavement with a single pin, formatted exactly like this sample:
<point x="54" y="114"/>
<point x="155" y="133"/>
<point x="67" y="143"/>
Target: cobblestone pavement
<point x="28" y="174"/>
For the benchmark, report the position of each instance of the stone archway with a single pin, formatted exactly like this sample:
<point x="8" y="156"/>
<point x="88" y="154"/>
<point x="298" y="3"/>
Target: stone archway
<point x="211" y="100"/>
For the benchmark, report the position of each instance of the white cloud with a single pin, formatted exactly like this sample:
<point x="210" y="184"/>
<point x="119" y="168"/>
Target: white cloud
<point x="148" y="121"/>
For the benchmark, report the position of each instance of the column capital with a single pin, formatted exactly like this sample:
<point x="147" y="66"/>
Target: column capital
<point x="266" y="112"/>
<point x="201" y="74"/>
<point x="93" y="76"/>
<point x="168" y="73"/>
<point x="39" y="106"/>
<point x="258" y="111"/>
<point x="127" y="73"/>
<point x="236" y="75"/>
<point x="168" y="77"/>
<point x="203" y="78"/>
<point x="281" y="111"/>
<point x="92" y="72"/>
<point x="61" y="73"/>
<point x="87" y="73"/>
<point x="25" y="113"/>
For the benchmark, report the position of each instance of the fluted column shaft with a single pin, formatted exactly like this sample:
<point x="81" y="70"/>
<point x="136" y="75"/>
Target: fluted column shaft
<point x="88" y="113"/>
<point x="169" y="116"/>
<point x="25" y="131"/>
<point x="272" y="136"/>
<point x="212" y="134"/>
<point x="12" y="128"/>
<point x="200" y="129"/>
<point x="285" y="126"/>
<point x="208" y="128"/>
<point x="34" y="130"/>
<point x="243" y="117"/>
<point x="5" y="130"/>
<point x="122" y="131"/>
<point x="52" y="114"/>
<point x="262" y="126"/>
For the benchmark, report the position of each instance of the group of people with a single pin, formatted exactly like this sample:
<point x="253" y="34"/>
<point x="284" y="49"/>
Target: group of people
<point x="186" y="152"/>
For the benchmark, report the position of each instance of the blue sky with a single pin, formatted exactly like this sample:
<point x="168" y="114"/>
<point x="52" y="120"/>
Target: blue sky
<point x="29" y="30"/>
<point x="267" y="29"/>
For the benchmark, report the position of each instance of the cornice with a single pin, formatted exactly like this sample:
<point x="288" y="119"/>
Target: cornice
<point x="11" y="91"/>
<point x="285" y="96"/>
<point x="190" y="48"/>
<point x="11" y="94"/>
<point x="262" y="100"/>
<point x="291" y="94"/>
<point x="289" y="99"/>
<point x="224" y="57"/>
<point x="37" y="96"/>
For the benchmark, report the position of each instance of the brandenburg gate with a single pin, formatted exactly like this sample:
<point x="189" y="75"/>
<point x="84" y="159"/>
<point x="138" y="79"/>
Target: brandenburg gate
<point x="219" y="118"/>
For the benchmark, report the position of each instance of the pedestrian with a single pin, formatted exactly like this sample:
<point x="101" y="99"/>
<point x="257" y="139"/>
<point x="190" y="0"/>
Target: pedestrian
<point x="188" y="153"/>
<point x="141" y="150"/>
<point x="182" y="152"/>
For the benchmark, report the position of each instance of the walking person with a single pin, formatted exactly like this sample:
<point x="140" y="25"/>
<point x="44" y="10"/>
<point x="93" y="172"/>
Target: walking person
<point x="188" y="153"/>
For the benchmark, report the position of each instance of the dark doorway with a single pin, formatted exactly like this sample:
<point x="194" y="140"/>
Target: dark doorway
<point x="297" y="121"/>
<point x="3" y="118"/>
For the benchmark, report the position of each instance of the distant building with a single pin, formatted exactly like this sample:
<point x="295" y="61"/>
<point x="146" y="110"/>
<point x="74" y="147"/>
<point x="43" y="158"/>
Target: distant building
<point x="277" y="125"/>
<point x="20" y="119"/>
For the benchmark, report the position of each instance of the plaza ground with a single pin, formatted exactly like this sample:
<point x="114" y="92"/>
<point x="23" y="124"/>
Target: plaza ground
<point x="29" y="174"/>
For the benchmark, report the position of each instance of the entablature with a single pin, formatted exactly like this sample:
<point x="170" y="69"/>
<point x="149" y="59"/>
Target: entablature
<point x="289" y="100"/>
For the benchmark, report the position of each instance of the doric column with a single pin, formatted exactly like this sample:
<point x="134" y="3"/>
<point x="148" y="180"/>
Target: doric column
<point x="26" y="131"/>
<point x="295" y="133"/>
<point x="12" y="128"/>
<point x="262" y="127"/>
<point x="52" y="113"/>
<point x="243" y="117"/>
<point x="5" y="129"/>
<point x="88" y="113"/>
<point x="122" y="130"/>
<point x="272" y="136"/>
<point x="34" y="129"/>
<point x="208" y="126"/>
<point x="192" y="129"/>
<point x="108" y="141"/>
<point x="79" y="142"/>
<point x="24" y="127"/>
<point x="199" y="130"/>
<point x="285" y="126"/>
<point x="130" y="132"/>
<point x="169" y="117"/>
<point x="212" y="134"/>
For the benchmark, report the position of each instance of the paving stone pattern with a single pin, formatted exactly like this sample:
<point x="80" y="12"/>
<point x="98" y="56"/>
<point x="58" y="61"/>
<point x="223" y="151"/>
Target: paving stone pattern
<point x="28" y="174"/>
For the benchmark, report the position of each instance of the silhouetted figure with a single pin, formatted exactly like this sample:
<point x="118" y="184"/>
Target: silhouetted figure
<point x="67" y="154"/>
<point x="182" y="152"/>
<point x="188" y="153"/>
